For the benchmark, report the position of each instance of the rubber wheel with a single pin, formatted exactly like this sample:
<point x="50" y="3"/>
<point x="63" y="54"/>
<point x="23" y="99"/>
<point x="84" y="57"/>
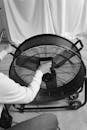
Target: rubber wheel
<point x="75" y="105"/>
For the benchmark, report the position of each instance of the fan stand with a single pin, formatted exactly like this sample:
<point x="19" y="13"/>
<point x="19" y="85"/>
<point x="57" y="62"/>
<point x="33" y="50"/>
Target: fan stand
<point x="73" y="103"/>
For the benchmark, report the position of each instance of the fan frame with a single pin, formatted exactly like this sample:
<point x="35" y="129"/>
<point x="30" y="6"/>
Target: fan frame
<point x="48" y="39"/>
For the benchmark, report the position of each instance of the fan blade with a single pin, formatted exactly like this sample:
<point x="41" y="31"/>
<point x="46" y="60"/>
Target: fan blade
<point x="31" y="63"/>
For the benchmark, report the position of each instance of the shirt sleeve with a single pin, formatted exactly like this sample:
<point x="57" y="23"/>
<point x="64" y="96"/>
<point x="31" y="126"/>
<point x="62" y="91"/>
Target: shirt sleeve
<point x="14" y="93"/>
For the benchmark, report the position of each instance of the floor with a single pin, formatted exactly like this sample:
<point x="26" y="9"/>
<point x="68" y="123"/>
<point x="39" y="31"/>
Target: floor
<point x="68" y="120"/>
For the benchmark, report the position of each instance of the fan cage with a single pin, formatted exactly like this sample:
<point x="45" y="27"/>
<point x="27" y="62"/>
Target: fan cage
<point x="49" y="39"/>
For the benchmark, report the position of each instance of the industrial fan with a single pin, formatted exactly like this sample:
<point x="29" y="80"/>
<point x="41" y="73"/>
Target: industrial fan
<point x="67" y="75"/>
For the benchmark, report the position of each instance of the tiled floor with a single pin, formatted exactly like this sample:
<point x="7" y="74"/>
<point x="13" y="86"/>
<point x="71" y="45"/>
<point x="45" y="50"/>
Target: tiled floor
<point x="68" y="120"/>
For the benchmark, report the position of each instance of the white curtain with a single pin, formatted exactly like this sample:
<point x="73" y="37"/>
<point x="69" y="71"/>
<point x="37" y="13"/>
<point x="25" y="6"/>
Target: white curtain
<point x="27" y="18"/>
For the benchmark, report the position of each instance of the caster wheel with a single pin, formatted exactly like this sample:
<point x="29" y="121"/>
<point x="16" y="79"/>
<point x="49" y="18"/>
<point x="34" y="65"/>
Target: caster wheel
<point x="74" y="105"/>
<point x="74" y="96"/>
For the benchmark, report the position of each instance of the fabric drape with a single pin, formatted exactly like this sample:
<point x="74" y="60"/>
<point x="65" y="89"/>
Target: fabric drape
<point x="68" y="18"/>
<point x="27" y="18"/>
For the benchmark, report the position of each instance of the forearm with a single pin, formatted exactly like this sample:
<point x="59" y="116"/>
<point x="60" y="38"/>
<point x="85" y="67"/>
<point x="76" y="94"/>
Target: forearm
<point x="14" y="93"/>
<point x="35" y="84"/>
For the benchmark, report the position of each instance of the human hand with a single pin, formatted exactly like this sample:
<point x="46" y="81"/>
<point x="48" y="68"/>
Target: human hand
<point x="9" y="48"/>
<point x="45" y="67"/>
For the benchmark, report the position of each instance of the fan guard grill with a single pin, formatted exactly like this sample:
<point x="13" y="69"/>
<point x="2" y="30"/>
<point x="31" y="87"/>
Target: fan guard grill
<point x="67" y="64"/>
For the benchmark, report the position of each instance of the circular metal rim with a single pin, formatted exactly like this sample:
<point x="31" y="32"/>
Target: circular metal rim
<point x="31" y="42"/>
<point x="65" y="90"/>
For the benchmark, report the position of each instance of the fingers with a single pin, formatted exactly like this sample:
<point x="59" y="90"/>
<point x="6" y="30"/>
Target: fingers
<point x="49" y="63"/>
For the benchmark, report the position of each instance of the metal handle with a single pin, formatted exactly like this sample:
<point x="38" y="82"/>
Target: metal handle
<point x="13" y="45"/>
<point x="81" y="45"/>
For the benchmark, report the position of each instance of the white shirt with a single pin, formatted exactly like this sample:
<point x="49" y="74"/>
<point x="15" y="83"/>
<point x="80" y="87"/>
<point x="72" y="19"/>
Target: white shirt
<point x="14" y="93"/>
